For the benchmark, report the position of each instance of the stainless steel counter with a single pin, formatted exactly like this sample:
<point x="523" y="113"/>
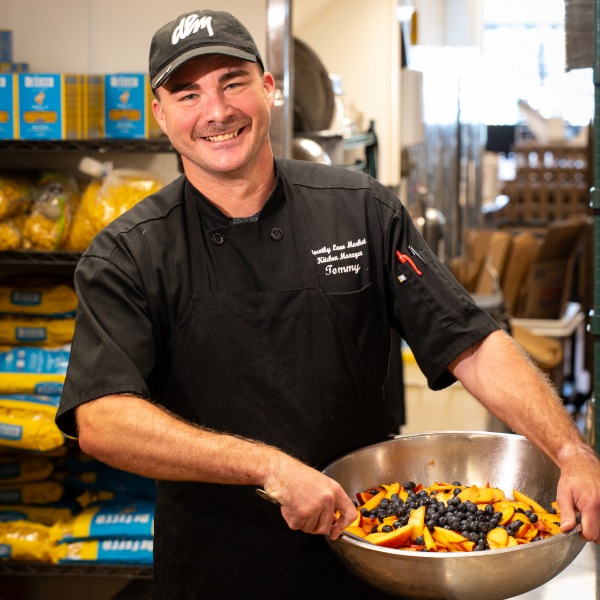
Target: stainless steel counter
<point x="579" y="581"/>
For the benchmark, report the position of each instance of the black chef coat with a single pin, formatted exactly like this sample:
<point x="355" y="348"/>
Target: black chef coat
<point x="134" y="281"/>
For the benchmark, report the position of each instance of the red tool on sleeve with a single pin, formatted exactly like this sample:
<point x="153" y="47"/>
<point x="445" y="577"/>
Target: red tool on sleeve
<point x="404" y="258"/>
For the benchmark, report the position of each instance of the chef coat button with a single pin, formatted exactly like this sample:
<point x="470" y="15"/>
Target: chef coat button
<point x="277" y="234"/>
<point x="218" y="239"/>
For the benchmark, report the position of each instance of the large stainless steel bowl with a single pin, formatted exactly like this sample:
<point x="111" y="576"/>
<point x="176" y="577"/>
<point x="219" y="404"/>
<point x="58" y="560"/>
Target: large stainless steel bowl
<point x="507" y="462"/>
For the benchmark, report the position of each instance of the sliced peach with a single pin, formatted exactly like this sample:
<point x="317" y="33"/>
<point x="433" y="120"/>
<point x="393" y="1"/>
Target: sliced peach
<point x="487" y="485"/>
<point x="504" y="503"/>
<point x="555" y="507"/>
<point x="498" y="495"/>
<point x="390" y="520"/>
<point x="523" y="530"/>
<point x="511" y="542"/>
<point x="395" y="539"/>
<point x="414" y="548"/>
<point x="358" y="521"/>
<point x="429" y="541"/>
<point x="418" y="488"/>
<point x="541" y="526"/>
<point x="535" y="507"/>
<point x="455" y="547"/>
<point x="531" y="534"/>
<point x="446" y="536"/>
<point x="467" y="546"/>
<point x="356" y="531"/>
<point x="519" y="541"/>
<point x="485" y="496"/>
<point x="363" y="498"/>
<point x="375" y="536"/>
<point x="497" y="538"/>
<point x="470" y="494"/>
<point x="403" y="495"/>
<point x="507" y="514"/>
<point x="375" y="500"/>
<point x="368" y="524"/>
<point x="417" y="520"/>
<point x="392" y="489"/>
<point x="438" y="487"/>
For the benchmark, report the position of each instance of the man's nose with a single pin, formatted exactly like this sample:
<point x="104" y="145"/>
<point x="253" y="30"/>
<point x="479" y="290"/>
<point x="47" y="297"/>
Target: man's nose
<point x="216" y="108"/>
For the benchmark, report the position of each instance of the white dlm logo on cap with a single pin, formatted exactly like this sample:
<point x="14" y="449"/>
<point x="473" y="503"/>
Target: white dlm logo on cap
<point x="191" y="24"/>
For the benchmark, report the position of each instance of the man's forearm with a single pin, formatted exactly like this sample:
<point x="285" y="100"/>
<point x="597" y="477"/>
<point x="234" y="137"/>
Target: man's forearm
<point x="132" y="434"/>
<point x="510" y="387"/>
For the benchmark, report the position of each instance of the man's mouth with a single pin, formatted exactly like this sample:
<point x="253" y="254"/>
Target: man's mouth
<point x="225" y="136"/>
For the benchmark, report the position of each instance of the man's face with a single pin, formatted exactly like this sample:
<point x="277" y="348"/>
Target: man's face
<point x="216" y="111"/>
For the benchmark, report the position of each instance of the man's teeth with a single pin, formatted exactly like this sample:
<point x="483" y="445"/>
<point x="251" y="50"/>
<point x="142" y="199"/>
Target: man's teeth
<point x="221" y="138"/>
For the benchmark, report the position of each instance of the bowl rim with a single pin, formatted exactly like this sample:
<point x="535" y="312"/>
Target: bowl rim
<point x="373" y="548"/>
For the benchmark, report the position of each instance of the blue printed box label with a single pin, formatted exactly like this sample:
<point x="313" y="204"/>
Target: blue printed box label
<point x="10" y="470"/>
<point x="40" y="107"/>
<point x="11" y="433"/>
<point x="10" y="496"/>
<point x="125" y="106"/>
<point x="26" y="298"/>
<point x="5" y="551"/>
<point x="7" y="108"/>
<point x="30" y="334"/>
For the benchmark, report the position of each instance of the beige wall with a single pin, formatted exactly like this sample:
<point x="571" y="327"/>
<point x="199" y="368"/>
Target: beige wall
<point x="359" y="40"/>
<point x="105" y="36"/>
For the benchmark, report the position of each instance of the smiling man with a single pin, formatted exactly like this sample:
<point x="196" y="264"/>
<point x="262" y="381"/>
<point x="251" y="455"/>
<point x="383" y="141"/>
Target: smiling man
<point x="233" y="331"/>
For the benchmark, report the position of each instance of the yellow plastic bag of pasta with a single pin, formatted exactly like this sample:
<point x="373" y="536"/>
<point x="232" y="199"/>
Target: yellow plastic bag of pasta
<point x="21" y="470"/>
<point x="23" y="540"/>
<point x="41" y="296"/>
<point x="47" y="227"/>
<point x="10" y="236"/>
<point x="27" y="423"/>
<point x="32" y="331"/>
<point x="46" y="515"/>
<point x="39" y="492"/>
<point x="105" y="200"/>
<point x="15" y="196"/>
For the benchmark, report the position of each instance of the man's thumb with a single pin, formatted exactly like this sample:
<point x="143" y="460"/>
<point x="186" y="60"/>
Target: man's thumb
<point x="567" y="513"/>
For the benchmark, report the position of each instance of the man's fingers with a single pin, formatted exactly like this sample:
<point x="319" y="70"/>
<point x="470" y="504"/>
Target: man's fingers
<point x="567" y="509"/>
<point x="347" y="511"/>
<point x="590" y="523"/>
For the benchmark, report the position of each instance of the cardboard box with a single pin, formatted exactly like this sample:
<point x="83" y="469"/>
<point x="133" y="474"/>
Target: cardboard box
<point x="14" y="67"/>
<point x="6" y="46"/>
<point x="8" y="107"/>
<point x="92" y="106"/>
<point x="498" y="249"/>
<point x="524" y="251"/>
<point x="49" y="107"/>
<point x="128" y="107"/>
<point x="551" y="274"/>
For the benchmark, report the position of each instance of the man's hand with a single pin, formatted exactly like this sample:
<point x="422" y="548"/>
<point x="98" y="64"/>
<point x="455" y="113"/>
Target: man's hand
<point x="310" y="500"/>
<point x="579" y="489"/>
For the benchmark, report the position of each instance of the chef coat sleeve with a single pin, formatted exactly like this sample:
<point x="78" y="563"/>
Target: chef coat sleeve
<point x="434" y="314"/>
<point x="113" y="348"/>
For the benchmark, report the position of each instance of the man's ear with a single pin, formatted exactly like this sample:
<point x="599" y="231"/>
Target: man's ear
<point x="269" y="85"/>
<point x="159" y="115"/>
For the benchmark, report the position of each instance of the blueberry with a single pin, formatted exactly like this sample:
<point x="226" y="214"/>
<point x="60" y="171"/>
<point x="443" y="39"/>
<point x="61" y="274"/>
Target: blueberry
<point x="365" y="512"/>
<point x="411" y="485"/>
<point x="387" y="529"/>
<point x="462" y="507"/>
<point x="374" y="530"/>
<point x="493" y="523"/>
<point x="483" y="527"/>
<point x="456" y="483"/>
<point x="420" y="541"/>
<point x="479" y="548"/>
<point x="422" y="493"/>
<point x="552" y="511"/>
<point x="517" y="525"/>
<point x="534" y="518"/>
<point x="442" y="510"/>
<point x="465" y="533"/>
<point x="528" y="512"/>
<point x="390" y="511"/>
<point x="520" y="510"/>
<point x="430" y="525"/>
<point x="412" y="505"/>
<point x="473" y="526"/>
<point x="456" y="525"/>
<point x="395" y="498"/>
<point x="401" y="511"/>
<point x="411" y="496"/>
<point x="489" y="509"/>
<point x="479" y="513"/>
<point x="472" y="508"/>
<point x="455" y="501"/>
<point x="397" y="524"/>
<point x="473" y="537"/>
<point x="434" y="493"/>
<point x="449" y="527"/>
<point x="423" y="550"/>
<point x="384" y="502"/>
<point x="374" y="492"/>
<point x="443" y="521"/>
<point x="460" y="515"/>
<point x="373" y="514"/>
<point x="456" y="491"/>
<point x="537" y="538"/>
<point x="381" y="512"/>
<point x="511" y="532"/>
<point x="498" y="515"/>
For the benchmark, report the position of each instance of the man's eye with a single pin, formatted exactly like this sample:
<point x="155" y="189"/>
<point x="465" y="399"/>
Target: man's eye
<point x="189" y="97"/>
<point x="232" y="86"/>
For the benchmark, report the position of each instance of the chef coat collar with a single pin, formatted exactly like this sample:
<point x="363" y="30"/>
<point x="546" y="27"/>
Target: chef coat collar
<point x="212" y="213"/>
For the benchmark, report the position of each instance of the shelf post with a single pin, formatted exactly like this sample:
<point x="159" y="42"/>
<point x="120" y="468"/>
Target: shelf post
<point x="595" y="191"/>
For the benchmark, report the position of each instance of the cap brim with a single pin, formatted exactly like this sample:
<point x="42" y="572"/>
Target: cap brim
<point x="167" y="71"/>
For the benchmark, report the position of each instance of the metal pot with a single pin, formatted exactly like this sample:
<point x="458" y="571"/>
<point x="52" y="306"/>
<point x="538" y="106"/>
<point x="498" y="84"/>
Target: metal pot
<point x="506" y="461"/>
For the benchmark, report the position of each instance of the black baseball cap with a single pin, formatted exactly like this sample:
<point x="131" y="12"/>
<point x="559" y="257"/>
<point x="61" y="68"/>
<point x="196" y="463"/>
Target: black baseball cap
<point x="195" y="33"/>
